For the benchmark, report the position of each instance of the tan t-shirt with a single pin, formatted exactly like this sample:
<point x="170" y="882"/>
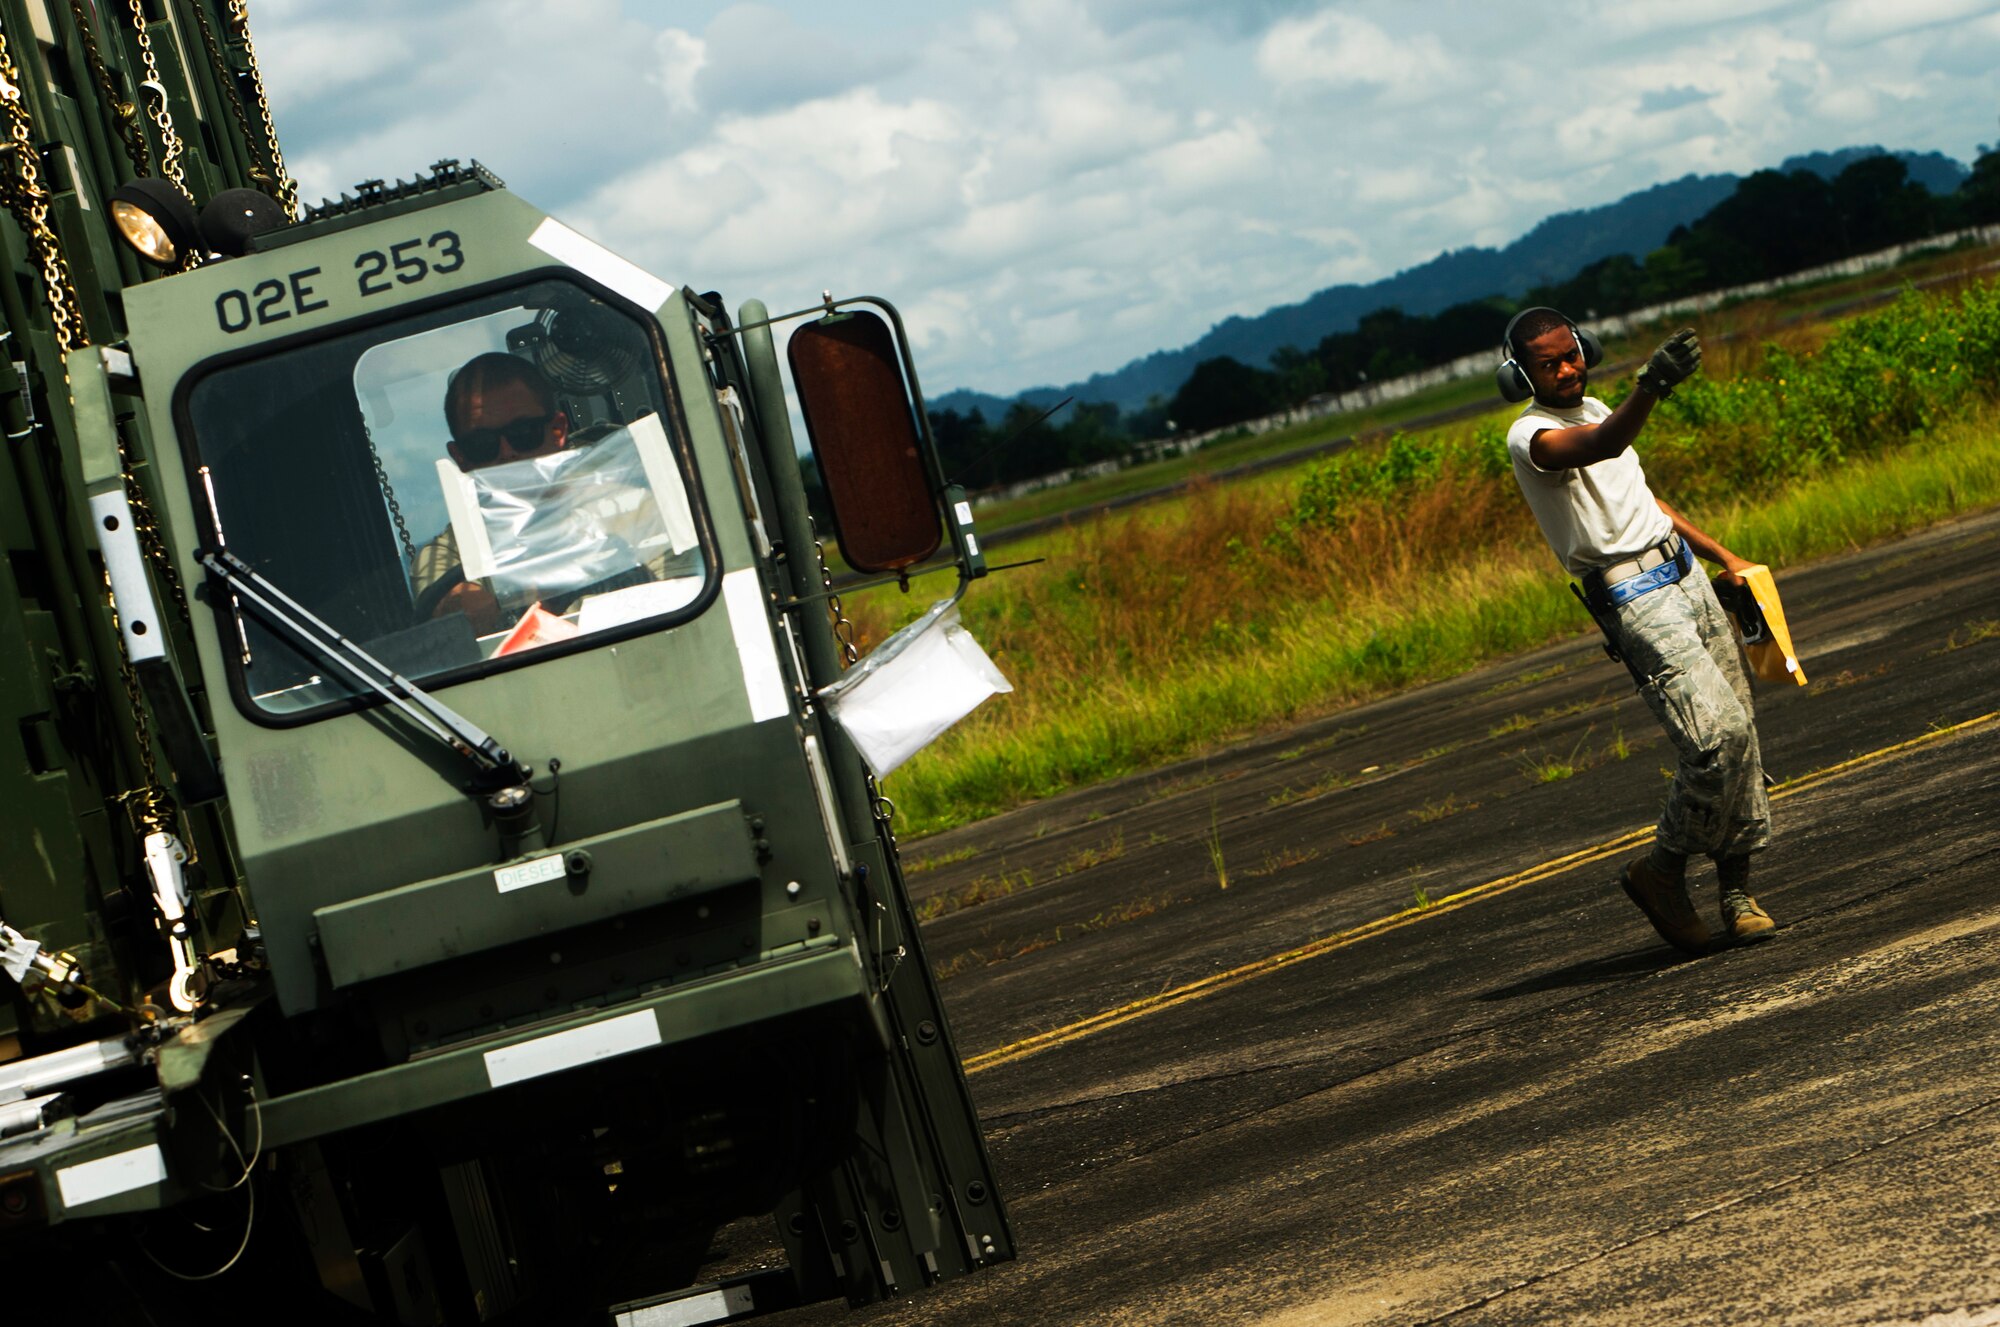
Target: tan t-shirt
<point x="1594" y="515"/>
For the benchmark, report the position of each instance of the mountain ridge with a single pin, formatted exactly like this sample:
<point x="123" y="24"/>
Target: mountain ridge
<point x="1551" y="250"/>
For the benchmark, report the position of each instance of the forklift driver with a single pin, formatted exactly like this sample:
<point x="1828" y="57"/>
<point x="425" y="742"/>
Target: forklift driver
<point x="499" y="408"/>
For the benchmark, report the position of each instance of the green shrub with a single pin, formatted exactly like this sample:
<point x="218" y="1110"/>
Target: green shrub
<point x="1879" y="380"/>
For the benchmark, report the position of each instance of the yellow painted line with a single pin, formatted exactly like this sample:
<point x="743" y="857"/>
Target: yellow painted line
<point x="1207" y="986"/>
<point x="1804" y="781"/>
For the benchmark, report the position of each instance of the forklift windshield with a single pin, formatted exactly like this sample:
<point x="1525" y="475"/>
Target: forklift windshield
<point x="451" y="490"/>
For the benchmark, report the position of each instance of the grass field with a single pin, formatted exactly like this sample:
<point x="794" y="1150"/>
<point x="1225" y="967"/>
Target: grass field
<point x="1150" y="634"/>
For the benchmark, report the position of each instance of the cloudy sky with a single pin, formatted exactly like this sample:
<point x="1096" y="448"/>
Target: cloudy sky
<point x="1049" y="188"/>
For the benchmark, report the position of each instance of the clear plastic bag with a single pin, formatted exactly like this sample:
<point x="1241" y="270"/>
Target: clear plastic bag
<point x="545" y="527"/>
<point x="912" y="687"/>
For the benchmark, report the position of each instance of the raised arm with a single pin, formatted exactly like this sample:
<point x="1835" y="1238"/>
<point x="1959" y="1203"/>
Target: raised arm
<point x="1587" y="444"/>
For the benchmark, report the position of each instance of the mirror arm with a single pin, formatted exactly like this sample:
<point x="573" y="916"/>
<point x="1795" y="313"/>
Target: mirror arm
<point x="819" y="309"/>
<point x="841" y="586"/>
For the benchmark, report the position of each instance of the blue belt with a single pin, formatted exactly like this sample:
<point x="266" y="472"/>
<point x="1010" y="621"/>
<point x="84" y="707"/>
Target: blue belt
<point x="1599" y="596"/>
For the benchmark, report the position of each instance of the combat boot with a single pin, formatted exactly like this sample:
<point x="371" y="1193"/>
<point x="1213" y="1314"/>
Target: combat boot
<point x="1746" y="921"/>
<point x="1664" y="900"/>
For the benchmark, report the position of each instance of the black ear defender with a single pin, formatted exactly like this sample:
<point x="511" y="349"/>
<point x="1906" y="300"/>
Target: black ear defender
<point x="1512" y="380"/>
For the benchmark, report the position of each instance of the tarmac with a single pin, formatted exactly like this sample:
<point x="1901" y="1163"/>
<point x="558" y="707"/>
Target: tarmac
<point x="1351" y="1023"/>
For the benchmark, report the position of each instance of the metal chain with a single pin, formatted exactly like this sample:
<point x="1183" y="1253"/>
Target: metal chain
<point x="148" y="804"/>
<point x="843" y="630"/>
<point x="149" y="807"/>
<point x="389" y="493"/>
<point x="287" y="187"/>
<point x="29" y="203"/>
<point x="885" y="814"/>
<point x="124" y="113"/>
<point x="850" y="654"/>
<point x="260" y="171"/>
<point x="163" y="120"/>
<point x="885" y="811"/>
<point x="881" y="807"/>
<point x="147" y="527"/>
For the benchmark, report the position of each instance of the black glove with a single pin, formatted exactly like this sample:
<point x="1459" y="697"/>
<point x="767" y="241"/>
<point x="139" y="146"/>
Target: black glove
<point x="1672" y="364"/>
<point x="1740" y="602"/>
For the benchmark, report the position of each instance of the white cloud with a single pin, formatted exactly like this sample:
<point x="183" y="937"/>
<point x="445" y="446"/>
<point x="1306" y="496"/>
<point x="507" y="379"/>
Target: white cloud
<point x="1858" y="22"/>
<point x="1340" y="49"/>
<point x="681" y="57"/>
<point x="1090" y="119"/>
<point x="1396" y="184"/>
<point x="320" y="60"/>
<point x="1620" y="22"/>
<point x="1050" y="188"/>
<point x="824" y="178"/>
<point x="758" y="58"/>
<point x="1218" y="158"/>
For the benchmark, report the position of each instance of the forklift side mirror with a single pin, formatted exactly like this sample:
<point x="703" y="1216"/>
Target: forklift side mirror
<point x="864" y="439"/>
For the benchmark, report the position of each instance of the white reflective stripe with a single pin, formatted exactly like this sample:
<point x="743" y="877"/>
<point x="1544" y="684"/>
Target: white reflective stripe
<point x="761" y="675"/>
<point x="710" y="1306"/>
<point x="963" y="511"/>
<point x="600" y="264"/>
<point x="566" y="1050"/>
<point x="829" y="809"/>
<point x="118" y="539"/>
<point x="109" y="1176"/>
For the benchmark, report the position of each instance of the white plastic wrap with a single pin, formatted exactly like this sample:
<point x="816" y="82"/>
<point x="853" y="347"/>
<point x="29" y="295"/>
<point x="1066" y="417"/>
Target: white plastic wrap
<point x="546" y="526"/>
<point x="912" y="687"/>
<point x="17" y="952"/>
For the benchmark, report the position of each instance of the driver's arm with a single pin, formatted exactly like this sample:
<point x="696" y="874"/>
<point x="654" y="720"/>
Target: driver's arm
<point x="473" y="599"/>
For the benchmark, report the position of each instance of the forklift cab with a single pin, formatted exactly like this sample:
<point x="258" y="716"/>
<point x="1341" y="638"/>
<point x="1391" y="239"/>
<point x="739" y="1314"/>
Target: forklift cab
<point x="507" y="652"/>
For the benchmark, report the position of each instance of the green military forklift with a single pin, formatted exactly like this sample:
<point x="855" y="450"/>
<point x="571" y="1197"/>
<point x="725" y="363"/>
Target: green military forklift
<point x="438" y="889"/>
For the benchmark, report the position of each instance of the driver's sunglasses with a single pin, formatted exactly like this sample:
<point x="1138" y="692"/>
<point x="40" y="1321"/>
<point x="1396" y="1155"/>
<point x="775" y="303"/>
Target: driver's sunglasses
<point x="482" y="446"/>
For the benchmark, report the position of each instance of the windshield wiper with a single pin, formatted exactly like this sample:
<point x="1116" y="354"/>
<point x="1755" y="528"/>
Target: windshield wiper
<point x="494" y="766"/>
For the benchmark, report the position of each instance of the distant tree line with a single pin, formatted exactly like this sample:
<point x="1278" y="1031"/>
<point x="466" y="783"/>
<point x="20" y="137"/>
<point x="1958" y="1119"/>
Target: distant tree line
<point x="1024" y="444"/>
<point x="1773" y="223"/>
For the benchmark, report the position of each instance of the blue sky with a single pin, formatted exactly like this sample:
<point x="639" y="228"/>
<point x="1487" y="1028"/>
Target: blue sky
<point x="1050" y="188"/>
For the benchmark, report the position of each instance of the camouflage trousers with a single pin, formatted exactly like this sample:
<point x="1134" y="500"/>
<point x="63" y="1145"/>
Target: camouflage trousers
<point x="1678" y="643"/>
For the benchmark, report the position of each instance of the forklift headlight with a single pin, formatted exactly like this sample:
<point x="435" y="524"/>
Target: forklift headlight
<point x="234" y="217"/>
<point x="153" y="217"/>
